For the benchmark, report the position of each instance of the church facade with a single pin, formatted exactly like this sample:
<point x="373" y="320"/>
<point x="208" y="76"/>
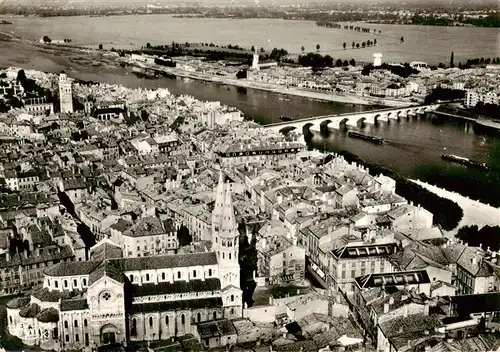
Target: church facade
<point x="112" y="300"/>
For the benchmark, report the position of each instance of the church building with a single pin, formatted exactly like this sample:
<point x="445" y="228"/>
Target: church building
<point x="111" y="300"/>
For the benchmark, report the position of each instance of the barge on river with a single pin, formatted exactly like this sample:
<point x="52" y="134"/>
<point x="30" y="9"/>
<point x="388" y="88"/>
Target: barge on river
<point x="373" y="139"/>
<point x="465" y="161"/>
<point x="286" y="118"/>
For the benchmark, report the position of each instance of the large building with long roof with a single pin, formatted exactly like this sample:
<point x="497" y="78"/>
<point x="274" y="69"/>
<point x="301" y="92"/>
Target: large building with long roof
<point x="110" y="300"/>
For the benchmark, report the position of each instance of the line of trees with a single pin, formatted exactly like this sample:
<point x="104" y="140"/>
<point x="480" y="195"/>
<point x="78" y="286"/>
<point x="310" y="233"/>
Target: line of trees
<point x="331" y="24"/>
<point x="317" y="61"/>
<point x="362" y="45"/>
<point x="488" y="236"/>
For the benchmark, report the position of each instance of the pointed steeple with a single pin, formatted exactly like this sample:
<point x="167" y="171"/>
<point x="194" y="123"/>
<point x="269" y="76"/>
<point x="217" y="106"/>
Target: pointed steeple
<point x="219" y="202"/>
<point x="228" y="225"/>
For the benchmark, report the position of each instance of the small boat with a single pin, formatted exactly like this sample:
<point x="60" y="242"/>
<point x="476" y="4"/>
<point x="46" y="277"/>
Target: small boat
<point x="376" y="140"/>
<point x="286" y="118"/>
<point x="465" y="161"/>
<point x="284" y="99"/>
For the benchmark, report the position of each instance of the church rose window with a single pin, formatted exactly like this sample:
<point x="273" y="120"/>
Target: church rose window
<point x="106" y="296"/>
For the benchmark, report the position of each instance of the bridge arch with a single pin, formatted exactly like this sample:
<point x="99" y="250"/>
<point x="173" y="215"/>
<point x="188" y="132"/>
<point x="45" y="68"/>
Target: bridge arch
<point x="285" y="130"/>
<point x="342" y="124"/>
<point x="307" y="126"/>
<point x="361" y="121"/>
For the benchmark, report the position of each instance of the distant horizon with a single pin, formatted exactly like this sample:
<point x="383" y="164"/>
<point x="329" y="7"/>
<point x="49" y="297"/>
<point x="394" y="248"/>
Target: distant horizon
<point x="80" y="3"/>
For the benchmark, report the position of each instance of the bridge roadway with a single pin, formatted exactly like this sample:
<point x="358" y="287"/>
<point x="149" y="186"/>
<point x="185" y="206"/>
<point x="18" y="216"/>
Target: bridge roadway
<point x="350" y="119"/>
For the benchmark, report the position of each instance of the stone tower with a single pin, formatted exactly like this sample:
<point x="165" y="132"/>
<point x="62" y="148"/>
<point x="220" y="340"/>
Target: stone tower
<point x="226" y="245"/>
<point x="65" y="93"/>
<point x="255" y="62"/>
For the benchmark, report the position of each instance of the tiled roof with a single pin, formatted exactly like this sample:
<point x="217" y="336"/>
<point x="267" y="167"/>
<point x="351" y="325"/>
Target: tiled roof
<point x="18" y="302"/>
<point x="108" y="269"/>
<point x="72" y="269"/>
<point x="410" y="324"/>
<point x="148" y="226"/>
<point x="174" y="305"/>
<point x="30" y="311"/>
<point x="49" y="315"/>
<point x="44" y="295"/>
<point x="105" y="250"/>
<point x="176" y="287"/>
<point x="74" y="304"/>
<point x="399" y="299"/>
<point x="167" y="261"/>
<point x="216" y="328"/>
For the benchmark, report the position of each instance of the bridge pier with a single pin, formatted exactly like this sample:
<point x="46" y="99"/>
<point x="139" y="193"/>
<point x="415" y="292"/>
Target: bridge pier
<point x="392" y="116"/>
<point x="383" y="117"/>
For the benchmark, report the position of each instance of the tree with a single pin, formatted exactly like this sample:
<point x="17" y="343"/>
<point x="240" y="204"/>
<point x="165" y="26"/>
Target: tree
<point x="100" y="46"/>
<point x="379" y="32"/>
<point x="302" y="48"/>
<point x="252" y="49"/>
<point x="345" y="63"/>
<point x="357" y="45"/>
<point x="338" y="63"/>
<point x="452" y="64"/>
<point x="363" y="44"/>
<point x="46" y="39"/>
<point x="344" y="45"/>
<point x="148" y="45"/>
<point x="352" y="62"/>
<point x="402" y="39"/>
<point x="262" y="50"/>
<point x="353" y="45"/>
<point x="183" y="236"/>
<point x="374" y="41"/>
<point x="317" y="47"/>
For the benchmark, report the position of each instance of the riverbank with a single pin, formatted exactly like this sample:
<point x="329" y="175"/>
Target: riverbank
<point x="475" y="212"/>
<point x="479" y="121"/>
<point x="275" y="88"/>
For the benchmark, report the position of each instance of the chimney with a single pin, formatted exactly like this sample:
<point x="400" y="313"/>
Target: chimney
<point x="405" y="310"/>
<point x="391" y="301"/>
<point x="474" y="260"/>
<point x="426" y="308"/>
<point x="386" y="307"/>
<point x="263" y="242"/>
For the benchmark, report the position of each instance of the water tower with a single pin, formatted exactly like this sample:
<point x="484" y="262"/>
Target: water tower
<point x="377" y="59"/>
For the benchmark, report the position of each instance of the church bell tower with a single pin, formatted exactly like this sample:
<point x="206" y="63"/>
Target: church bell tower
<point x="226" y="246"/>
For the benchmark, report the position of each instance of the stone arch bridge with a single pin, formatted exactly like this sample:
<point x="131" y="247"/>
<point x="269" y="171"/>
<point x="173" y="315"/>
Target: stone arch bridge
<point x="350" y="119"/>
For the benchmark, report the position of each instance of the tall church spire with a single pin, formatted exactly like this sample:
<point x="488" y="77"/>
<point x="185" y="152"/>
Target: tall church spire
<point x="226" y="246"/>
<point x="219" y="204"/>
<point x="229" y="228"/>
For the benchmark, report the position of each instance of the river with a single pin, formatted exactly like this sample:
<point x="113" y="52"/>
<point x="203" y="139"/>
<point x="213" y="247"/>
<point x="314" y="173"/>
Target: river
<point x="422" y="43"/>
<point x="414" y="146"/>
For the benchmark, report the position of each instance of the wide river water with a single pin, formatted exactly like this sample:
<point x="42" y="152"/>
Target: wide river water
<point x="414" y="146"/>
<point x="424" y="43"/>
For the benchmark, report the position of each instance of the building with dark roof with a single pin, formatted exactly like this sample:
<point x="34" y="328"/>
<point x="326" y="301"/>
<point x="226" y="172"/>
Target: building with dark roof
<point x="114" y="300"/>
<point x="349" y="262"/>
